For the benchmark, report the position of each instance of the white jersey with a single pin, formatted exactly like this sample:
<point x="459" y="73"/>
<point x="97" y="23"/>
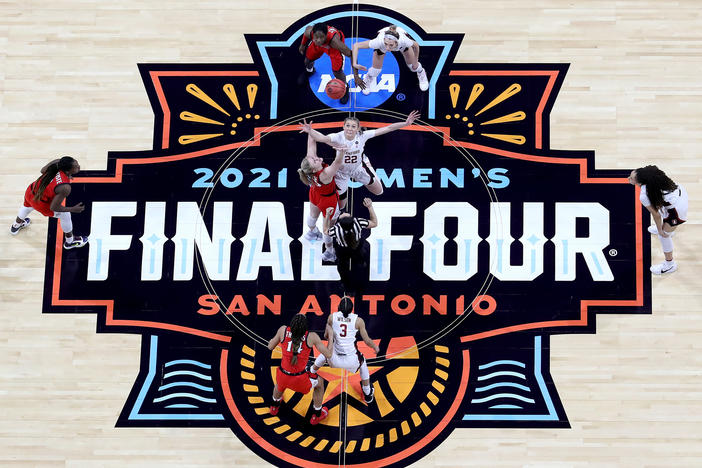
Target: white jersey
<point x="675" y="199"/>
<point x="353" y="152"/>
<point x="403" y="43"/>
<point x="344" y="333"/>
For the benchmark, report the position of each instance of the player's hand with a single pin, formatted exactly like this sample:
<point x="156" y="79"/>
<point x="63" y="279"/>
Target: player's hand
<point x="412" y="117"/>
<point x="367" y="202"/>
<point x="663" y="234"/>
<point x="302" y="49"/>
<point x="359" y="82"/>
<point x="305" y="127"/>
<point x="359" y="67"/>
<point x="78" y="208"/>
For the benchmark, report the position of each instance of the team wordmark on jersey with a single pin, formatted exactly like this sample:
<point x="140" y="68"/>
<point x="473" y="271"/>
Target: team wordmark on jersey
<point x="488" y="242"/>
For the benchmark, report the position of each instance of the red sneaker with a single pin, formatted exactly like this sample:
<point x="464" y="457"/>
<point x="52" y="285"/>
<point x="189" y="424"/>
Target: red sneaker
<point x="274" y="410"/>
<point x="315" y="419"/>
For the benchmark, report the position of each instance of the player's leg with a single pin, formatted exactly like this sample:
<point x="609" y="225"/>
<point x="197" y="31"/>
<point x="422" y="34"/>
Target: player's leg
<point x="337" y="62"/>
<point x="368" y="390"/>
<point x="371" y="78"/>
<point x="66" y="223"/>
<point x="277" y="399"/>
<point x="312" y="53"/>
<point x="329" y="254"/>
<point x="320" y="411"/>
<point x="22" y="221"/>
<point x="314" y="233"/>
<point x="367" y="176"/>
<point x="412" y="61"/>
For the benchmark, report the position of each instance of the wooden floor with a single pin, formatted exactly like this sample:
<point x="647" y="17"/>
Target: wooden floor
<point x="69" y="85"/>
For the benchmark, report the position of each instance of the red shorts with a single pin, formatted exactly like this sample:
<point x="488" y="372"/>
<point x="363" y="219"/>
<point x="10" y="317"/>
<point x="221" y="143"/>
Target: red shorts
<point x="325" y="203"/>
<point x="297" y="383"/>
<point x="314" y="52"/>
<point x="41" y="207"/>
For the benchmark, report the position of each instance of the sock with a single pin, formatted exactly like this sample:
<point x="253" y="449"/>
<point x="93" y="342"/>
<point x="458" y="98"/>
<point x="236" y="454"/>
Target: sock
<point x="317" y="411"/>
<point x="310" y="70"/>
<point x="328" y="242"/>
<point x="366" y="389"/>
<point x="69" y="239"/>
<point x="668" y="262"/>
<point x="373" y="72"/>
<point x="276" y="402"/>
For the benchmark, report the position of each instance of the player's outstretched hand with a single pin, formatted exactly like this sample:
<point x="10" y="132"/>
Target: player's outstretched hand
<point x="412" y="117"/>
<point x="78" y="208"/>
<point x="367" y="202"/>
<point x="305" y="127"/>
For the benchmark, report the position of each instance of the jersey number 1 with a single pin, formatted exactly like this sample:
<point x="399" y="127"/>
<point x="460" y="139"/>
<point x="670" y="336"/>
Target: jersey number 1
<point x="299" y="350"/>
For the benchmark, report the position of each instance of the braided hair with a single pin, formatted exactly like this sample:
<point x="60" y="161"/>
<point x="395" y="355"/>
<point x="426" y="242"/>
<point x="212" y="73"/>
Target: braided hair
<point x="656" y="183"/>
<point x="346" y="306"/>
<point x="65" y="164"/>
<point x="306" y="172"/>
<point x="298" y="328"/>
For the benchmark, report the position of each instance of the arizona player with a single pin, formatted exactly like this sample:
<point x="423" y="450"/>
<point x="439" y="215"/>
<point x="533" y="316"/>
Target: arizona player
<point x="667" y="202"/>
<point x="46" y="195"/>
<point x="389" y="39"/>
<point x="321" y="39"/>
<point x="296" y="344"/>
<point x="323" y="195"/>
<point x="356" y="164"/>
<point x="345" y="325"/>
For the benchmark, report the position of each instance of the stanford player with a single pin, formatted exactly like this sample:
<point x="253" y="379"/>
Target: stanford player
<point x="46" y="195"/>
<point x="667" y="202"/>
<point x="323" y="194"/>
<point x="322" y="39"/>
<point x="296" y="344"/>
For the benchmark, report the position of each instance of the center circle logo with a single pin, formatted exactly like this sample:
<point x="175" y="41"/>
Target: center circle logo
<point x="387" y="81"/>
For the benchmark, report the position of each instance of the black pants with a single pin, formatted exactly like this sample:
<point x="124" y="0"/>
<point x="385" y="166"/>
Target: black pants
<point x="352" y="265"/>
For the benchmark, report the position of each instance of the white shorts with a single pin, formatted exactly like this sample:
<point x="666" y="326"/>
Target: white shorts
<point x="350" y="362"/>
<point x="676" y="213"/>
<point x="364" y="174"/>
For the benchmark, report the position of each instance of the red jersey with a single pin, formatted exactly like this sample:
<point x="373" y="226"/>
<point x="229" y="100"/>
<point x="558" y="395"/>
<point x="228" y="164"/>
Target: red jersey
<point x="320" y="189"/>
<point x="43" y="204"/>
<point x="331" y="32"/>
<point x="303" y="353"/>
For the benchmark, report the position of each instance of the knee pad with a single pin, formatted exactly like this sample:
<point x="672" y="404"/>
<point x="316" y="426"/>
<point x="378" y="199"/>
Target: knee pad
<point x="365" y="375"/>
<point x="311" y="222"/>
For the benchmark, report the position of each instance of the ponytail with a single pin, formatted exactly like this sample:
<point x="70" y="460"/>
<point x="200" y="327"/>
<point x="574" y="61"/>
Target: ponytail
<point x="298" y="329"/>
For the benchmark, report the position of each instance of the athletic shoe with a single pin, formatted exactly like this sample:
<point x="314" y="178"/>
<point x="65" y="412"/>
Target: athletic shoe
<point x="15" y="228"/>
<point x="369" y="398"/>
<point x="345" y="98"/>
<point x="654" y="230"/>
<point x="312" y="374"/>
<point x="423" y="81"/>
<point x="313" y="234"/>
<point x="314" y="420"/>
<point x="370" y="82"/>
<point x="664" y="268"/>
<point x="274" y="410"/>
<point x="78" y="242"/>
<point x="329" y="255"/>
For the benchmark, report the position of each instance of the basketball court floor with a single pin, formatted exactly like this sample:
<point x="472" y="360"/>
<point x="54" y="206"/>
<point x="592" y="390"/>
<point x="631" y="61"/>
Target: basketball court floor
<point x="621" y="390"/>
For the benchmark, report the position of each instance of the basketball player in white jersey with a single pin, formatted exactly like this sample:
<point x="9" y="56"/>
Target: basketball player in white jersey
<point x="667" y="202"/>
<point x="342" y="327"/>
<point x="355" y="164"/>
<point x="389" y="39"/>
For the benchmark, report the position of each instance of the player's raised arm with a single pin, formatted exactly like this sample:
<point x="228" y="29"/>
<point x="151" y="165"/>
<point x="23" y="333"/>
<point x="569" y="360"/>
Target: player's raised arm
<point x="397" y="125"/>
<point x="372" y="217"/>
<point x="318" y="137"/>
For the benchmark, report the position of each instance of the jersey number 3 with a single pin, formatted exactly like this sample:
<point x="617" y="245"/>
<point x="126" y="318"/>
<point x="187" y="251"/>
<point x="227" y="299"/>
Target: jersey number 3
<point x="343" y="329"/>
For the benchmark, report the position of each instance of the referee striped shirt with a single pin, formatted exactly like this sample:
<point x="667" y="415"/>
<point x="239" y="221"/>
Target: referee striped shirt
<point x="337" y="233"/>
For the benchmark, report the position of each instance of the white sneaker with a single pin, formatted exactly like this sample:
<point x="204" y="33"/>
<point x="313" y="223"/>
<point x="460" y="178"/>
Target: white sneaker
<point x="329" y="255"/>
<point x="654" y="230"/>
<point x="370" y="82"/>
<point x="664" y="268"/>
<point x="16" y="228"/>
<point x="313" y="234"/>
<point x="423" y="81"/>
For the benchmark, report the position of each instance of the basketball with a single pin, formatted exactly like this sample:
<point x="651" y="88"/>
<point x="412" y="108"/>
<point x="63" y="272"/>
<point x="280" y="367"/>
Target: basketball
<point x="335" y="88"/>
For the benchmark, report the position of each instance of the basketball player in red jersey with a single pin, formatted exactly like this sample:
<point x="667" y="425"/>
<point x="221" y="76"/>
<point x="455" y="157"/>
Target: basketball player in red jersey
<point x="321" y="39"/>
<point x="296" y="344"/>
<point x="324" y="197"/>
<point x="46" y="195"/>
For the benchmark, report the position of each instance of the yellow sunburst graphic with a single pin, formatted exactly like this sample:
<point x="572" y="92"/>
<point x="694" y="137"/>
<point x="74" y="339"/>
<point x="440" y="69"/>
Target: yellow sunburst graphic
<point x="224" y="119"/>
<point x="473" y="121"/>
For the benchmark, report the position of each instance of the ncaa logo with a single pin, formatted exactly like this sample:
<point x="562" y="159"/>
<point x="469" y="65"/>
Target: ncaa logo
<point x="387" y="81"/>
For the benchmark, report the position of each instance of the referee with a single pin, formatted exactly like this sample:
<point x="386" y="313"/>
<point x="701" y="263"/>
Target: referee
<point x="352" y="250"/>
